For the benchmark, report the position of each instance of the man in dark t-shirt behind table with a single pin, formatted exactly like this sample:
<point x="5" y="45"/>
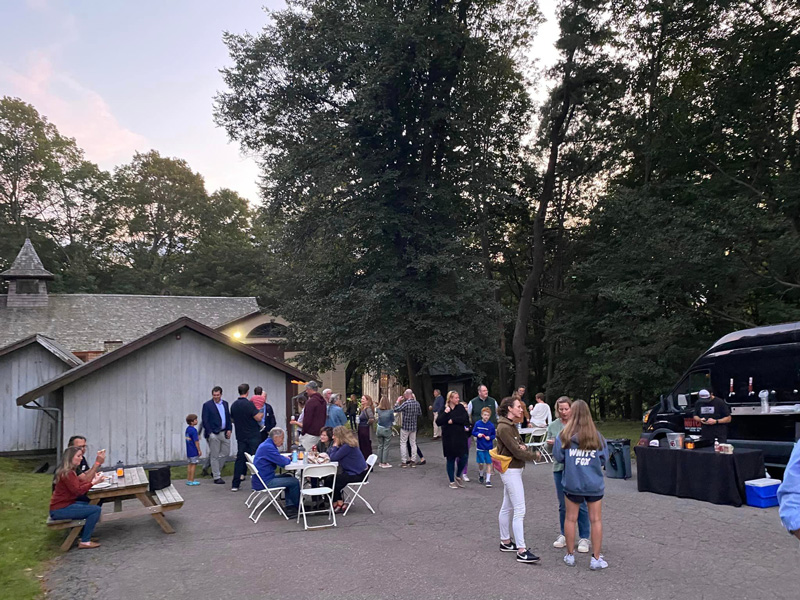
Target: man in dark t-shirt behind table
<point x="714" y="415"/>
<point x="247" y="425"/>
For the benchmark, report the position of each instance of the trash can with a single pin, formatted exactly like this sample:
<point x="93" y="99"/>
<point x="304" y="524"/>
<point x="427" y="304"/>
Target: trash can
<point x="618" y="465"/>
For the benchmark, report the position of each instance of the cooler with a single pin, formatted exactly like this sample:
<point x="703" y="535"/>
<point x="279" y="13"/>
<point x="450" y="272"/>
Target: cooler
<point x="762" y="493"/>
<point x="618" y="465"/>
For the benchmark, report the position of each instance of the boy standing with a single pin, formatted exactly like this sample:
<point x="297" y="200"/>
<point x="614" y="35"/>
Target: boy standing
<point x="484" y="431"/>
<point x="193" y="451"/>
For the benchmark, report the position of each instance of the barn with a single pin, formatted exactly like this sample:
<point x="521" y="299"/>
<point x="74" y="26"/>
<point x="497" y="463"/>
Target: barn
<point x="24" y="365"/>
<point x="133" y="401"/>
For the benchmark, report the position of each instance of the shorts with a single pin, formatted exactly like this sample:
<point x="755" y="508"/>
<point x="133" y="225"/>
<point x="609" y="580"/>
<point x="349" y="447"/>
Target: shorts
<point x="482" y="457"/>
<point x="581" y="499"/>
<point x="193" y="460"/>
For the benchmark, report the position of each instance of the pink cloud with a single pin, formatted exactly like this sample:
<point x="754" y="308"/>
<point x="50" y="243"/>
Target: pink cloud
<point x="74" y="109"/>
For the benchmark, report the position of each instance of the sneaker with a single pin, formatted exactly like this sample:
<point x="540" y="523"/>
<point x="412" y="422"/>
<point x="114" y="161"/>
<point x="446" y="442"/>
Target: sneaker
<point x="464" y="477"/>
<point x="488" y="484"/>
<point x="583" y="545"/>
<point x="569" y="560"/>
<point x="387" y="466"/>
<point x="195" y="482"/>
<point x="480" y="479"/>
<point x="234" y="489"/>
<point x="404" y="466"/>
<point x="219" y="481"/>
<point x="459" y="482"/>
<point x="454" y="486"/>
<point x="527" y="557"/>
<point x="413" y="465"/>
<point x="560" y="542"/>
<point x="509" y="547"/>
<point x="598" y="563"/>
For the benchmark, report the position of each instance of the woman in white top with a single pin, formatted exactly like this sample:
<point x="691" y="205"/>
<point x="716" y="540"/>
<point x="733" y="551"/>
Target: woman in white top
<point x="540" y="412"/>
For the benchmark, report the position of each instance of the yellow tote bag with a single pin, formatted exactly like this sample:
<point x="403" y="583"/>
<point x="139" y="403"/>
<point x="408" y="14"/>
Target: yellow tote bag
<point x="499" y="462"/>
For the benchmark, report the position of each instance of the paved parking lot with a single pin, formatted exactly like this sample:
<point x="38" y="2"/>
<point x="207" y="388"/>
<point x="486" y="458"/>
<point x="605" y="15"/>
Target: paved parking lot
<point x="429" y="541"/>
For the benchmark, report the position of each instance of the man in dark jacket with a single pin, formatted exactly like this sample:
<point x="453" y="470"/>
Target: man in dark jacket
<point x="247" y="419"/>
<point x="314" y="415"/>
<point x="217" y="431"/>
<point x="436" y="408"/>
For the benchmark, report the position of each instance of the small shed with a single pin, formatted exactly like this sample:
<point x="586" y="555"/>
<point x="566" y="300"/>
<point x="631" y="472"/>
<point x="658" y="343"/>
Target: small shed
<point x="133" y="401"/>
<point x="25" y="365"/>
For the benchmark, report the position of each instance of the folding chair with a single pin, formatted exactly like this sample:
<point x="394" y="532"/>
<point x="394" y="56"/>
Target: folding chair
<point x="311" y="492"/>
<point x="254" y="494"/>
<point x="353" y="490"/>
<point x="537" y="441"/>
<point x="274" y="495"/>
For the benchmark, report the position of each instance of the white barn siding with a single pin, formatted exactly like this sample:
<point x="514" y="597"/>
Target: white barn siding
<point x="22" y="429"/>
<point x="136" y="407"/>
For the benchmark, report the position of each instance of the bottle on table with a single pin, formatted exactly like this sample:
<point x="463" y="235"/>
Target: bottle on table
<point x="750" y="391"/>
<point x="731" y="393"/>
<point x="120" y="469"/>
<point x="716" y="444"/>
<point x="294" y="456"/>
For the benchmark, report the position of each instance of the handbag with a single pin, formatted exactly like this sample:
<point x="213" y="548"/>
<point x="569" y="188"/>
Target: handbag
<point x="499" y="462"/>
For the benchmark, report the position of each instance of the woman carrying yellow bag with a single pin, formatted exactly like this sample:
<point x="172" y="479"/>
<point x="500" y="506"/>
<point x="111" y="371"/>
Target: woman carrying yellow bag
<point x="510" y="446"/>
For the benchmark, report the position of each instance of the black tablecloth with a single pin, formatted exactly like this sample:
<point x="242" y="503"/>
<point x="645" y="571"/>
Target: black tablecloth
<point x="701" y="474"/>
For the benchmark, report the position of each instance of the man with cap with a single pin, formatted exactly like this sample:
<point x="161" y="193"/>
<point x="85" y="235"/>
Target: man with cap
<point x="713" y="414"/>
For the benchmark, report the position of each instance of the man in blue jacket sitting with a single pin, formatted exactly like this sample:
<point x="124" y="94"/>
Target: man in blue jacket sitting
<point x="268" y="457"/>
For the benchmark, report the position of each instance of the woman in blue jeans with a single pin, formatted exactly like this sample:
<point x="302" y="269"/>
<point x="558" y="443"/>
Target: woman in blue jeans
<point x="563" y="408"/>
<point x="64" y="504"/>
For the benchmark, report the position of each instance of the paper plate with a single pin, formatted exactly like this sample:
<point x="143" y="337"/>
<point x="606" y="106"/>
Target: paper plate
<point x="101" y="485"/>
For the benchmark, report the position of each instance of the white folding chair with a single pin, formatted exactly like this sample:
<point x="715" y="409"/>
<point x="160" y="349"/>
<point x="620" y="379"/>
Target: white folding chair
<point x="274" y="495"/>
<point x="316" y="492"/>
<point x="353" y="490"/>
<point x="253" y="494"/>
<point x="537" y="441"/>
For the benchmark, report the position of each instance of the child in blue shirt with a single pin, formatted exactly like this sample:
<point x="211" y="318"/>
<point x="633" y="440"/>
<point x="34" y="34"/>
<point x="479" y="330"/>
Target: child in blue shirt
<point x="193" y="452"/>
<point x="484" y="432"/>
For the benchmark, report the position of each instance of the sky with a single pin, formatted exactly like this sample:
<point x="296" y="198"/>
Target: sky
<point x="126" y="77"/>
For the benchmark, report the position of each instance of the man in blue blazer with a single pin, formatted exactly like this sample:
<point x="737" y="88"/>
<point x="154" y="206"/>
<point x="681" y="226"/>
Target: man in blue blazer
<point x="217" y="431"/>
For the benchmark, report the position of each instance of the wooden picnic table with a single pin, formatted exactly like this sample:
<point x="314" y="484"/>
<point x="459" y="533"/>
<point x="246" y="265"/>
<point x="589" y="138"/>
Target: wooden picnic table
<point x="133" y="485"/>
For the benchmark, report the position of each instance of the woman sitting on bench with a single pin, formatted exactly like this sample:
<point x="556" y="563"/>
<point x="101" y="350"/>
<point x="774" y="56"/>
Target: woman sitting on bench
<point x="64" y="504"/>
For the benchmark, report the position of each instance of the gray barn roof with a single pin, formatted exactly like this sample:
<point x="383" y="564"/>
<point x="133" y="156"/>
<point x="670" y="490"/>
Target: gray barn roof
<point x="82" y="322"/>
<point x="182" y="323"/>
<point x="27" y="265"/>
<point x="48" y="344"/>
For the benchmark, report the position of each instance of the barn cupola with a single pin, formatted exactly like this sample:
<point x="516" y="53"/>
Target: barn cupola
<point x="27" y="287"/>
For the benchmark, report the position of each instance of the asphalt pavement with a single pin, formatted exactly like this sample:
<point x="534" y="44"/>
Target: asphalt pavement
<point x="427" y="541"/>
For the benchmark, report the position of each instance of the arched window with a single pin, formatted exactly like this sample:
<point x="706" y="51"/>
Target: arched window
<point x="268" y="330"/>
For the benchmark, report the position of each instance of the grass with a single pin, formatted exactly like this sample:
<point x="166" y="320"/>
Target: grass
<point x="25" y="543"/>
<point x="631" y="430"/>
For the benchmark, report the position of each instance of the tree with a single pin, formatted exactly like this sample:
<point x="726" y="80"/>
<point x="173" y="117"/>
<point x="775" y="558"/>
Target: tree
<point x="364" y="134"/>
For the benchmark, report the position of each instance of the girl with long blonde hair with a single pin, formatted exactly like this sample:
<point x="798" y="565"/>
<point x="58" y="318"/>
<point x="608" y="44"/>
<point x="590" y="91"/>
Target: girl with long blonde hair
<point x="582" y="450"/>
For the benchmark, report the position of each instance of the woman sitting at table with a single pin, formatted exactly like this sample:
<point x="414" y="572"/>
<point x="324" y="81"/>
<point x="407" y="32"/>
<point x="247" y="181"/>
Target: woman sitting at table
<point x="352" y="465"/>
<point x="64" y="503"/>
<point x="325" y="440"/>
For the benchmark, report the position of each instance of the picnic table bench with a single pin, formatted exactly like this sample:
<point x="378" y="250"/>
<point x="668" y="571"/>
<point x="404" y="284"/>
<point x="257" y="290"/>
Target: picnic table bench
<point x="134" y="485"/>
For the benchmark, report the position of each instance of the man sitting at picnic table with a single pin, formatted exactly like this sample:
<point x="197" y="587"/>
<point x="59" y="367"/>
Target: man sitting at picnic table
<point x="267" y="458"/>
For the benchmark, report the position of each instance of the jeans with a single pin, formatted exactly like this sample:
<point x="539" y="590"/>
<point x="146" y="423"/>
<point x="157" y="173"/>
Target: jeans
<point x="451" y="466"/>
<point x="292" y="488"/>
<point x="384" y="435"/>
<point x="466" y="456"/>
<point x="513" y="504"/>
<point x="219" y="447"/>
<point x="419" y="452"/>
<point x="240" y="468"/>
<point x="408" y="444"/>
<point x="80" y="510"/>
<point x="584" y="529"/>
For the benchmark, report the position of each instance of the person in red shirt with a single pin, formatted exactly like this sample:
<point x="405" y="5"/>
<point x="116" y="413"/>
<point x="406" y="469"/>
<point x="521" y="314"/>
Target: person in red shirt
<point x="64" y="503"/>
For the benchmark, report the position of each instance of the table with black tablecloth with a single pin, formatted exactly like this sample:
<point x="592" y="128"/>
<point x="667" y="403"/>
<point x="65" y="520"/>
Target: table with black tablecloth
<point x="701" y="474"/>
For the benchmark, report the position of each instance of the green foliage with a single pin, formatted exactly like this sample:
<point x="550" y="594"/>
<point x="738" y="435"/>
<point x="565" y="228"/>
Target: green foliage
<point x="25" y="542"/>
<point x="380" y="145"/>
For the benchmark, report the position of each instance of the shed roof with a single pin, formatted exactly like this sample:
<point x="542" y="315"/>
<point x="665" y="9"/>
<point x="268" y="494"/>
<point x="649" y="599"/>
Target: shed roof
<point x="48" y="344"/>
<point x="27" y="265"/>
<point x="82" y="322"/>
<point x="181" y="323"/>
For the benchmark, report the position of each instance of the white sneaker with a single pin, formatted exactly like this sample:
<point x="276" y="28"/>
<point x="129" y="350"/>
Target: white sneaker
<point x="569" y="560"/>
<point x="583" y="545"/>
<point x="465" y="478"/>
<point x="598" y="563"/>
<point x="560" y="542"/>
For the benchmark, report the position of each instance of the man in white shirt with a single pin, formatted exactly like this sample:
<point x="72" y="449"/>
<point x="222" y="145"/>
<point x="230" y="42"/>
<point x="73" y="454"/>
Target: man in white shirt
<point x="540" y="412"/>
